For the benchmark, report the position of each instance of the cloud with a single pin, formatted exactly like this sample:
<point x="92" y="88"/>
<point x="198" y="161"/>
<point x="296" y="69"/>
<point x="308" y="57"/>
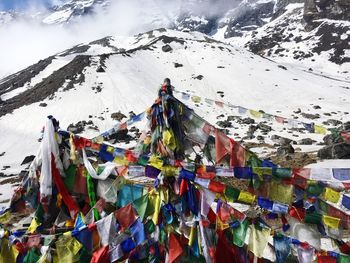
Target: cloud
<point x="25" y="42"/>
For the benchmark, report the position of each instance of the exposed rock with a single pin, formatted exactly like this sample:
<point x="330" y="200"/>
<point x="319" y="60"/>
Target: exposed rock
<point x="43" y="104"/>
<point x="285" y="149"/>
<point x="224" y="124"/>
<point x="28" y="159"/>
<point x="248" y="120"/>
<point x="118" y="116"/>
<point x="310" y="115"/>
<point x="316" y="107"/>
<point x="264" y="127"/>
<point x="332" y="122"/>
<point x="48" y="86"/>
<point x="306" y="141"/>
<point x="100" y="69"/>
<point x="199" y="77"/>
<point x="177" y="65"/>
<point x="166" y="48"/>
<point x="335" y="151"/>
<point x="282" y="67"/>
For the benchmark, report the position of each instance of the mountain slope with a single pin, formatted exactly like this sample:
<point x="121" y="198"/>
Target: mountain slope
<point x="93" y="80"/>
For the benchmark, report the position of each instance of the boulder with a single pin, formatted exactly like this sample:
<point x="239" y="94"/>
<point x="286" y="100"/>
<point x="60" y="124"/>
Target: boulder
<point x="166" y="48"/>
<point x="285" y="149"/>
<point x="306" y="141"/>
<point x="335" y="151"/>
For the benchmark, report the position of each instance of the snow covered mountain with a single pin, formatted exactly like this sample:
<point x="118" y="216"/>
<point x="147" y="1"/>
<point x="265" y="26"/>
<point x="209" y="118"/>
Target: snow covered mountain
<point x="71" y="11"/>
<point x="64" y="13"/>
<point x="83" y="86"/>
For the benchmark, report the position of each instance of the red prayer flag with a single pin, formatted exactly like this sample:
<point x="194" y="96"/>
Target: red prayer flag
<point x="237" y="154"/>
<point x="67" y="198"/>
<point x="224" y="250"/>
<point x="326" y="259"/>
<point x="216" y="186"/>
<point x="101" y="255"/>
<point x="126" y="216"/>
<point x="345" y="135"/>
<point x="175" y="248"/>
<point x="222" y="146"/>
<point x="183" y="187"/>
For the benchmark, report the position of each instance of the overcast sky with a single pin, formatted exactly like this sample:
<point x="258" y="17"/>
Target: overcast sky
<point x="23" y="43"/>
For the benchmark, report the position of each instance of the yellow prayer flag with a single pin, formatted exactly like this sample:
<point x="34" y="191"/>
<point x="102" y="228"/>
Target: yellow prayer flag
<point x="331" y="195"/>
<point x="5" y="218"/>
<point x="320" y="129"/>
<point x="169" y="139"/>
<point x="260" y="171"/>
<point x="331" y="221"/>
<point x="255" y="114"/>
<point x="258" y="240"/>
<point x="170" y="170"/>
<point x="193" y="235"/>
<point x="246" y="197"/>
<point x="67" y="248"/>
<point x="154" y="201"/>
<point x="33" y="226"/>
<point x="8" y="253"/>
<point x="220" y="225"/>
<point x="282" y="193"/>
<point x="110" y="149"/>
<point x="156" y="162"/>
<point x="121" y="160"/>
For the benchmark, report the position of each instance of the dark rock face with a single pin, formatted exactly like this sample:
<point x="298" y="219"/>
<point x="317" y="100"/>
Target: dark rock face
<point x="331" y="9"/>
<point x="335" y="151"/>
<point x="202" y="24"/>
<point x="248" y="17"/>
<point x="333" y="38"/>
<point x="48" y="86"/>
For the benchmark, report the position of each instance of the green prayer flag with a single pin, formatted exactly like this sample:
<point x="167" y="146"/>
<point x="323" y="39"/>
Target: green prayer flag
<point x="92" y="195"/>
<point x="231" y="193"/>
<point x="85" y="255"/>
<point x="315" y="189"/>
<point x="239" y="234"/>
<point x="282" y="173"/>
<point x="39" y="213"/>
<point x="32" y="256"/>
<point x="253" y="160"/>
<point x="70" y="177"/>
<point x="313" y="218"/>
<point x="150" y="227"/>
<point x="323" y="206"/>
<point x="343" y="259"/>
<point x="140" y="206"/>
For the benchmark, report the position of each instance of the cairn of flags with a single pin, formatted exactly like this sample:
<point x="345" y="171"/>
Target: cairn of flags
<point x="186" y="192"/>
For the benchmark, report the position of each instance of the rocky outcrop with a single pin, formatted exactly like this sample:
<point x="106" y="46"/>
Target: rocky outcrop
<point x="335" y="151"/>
